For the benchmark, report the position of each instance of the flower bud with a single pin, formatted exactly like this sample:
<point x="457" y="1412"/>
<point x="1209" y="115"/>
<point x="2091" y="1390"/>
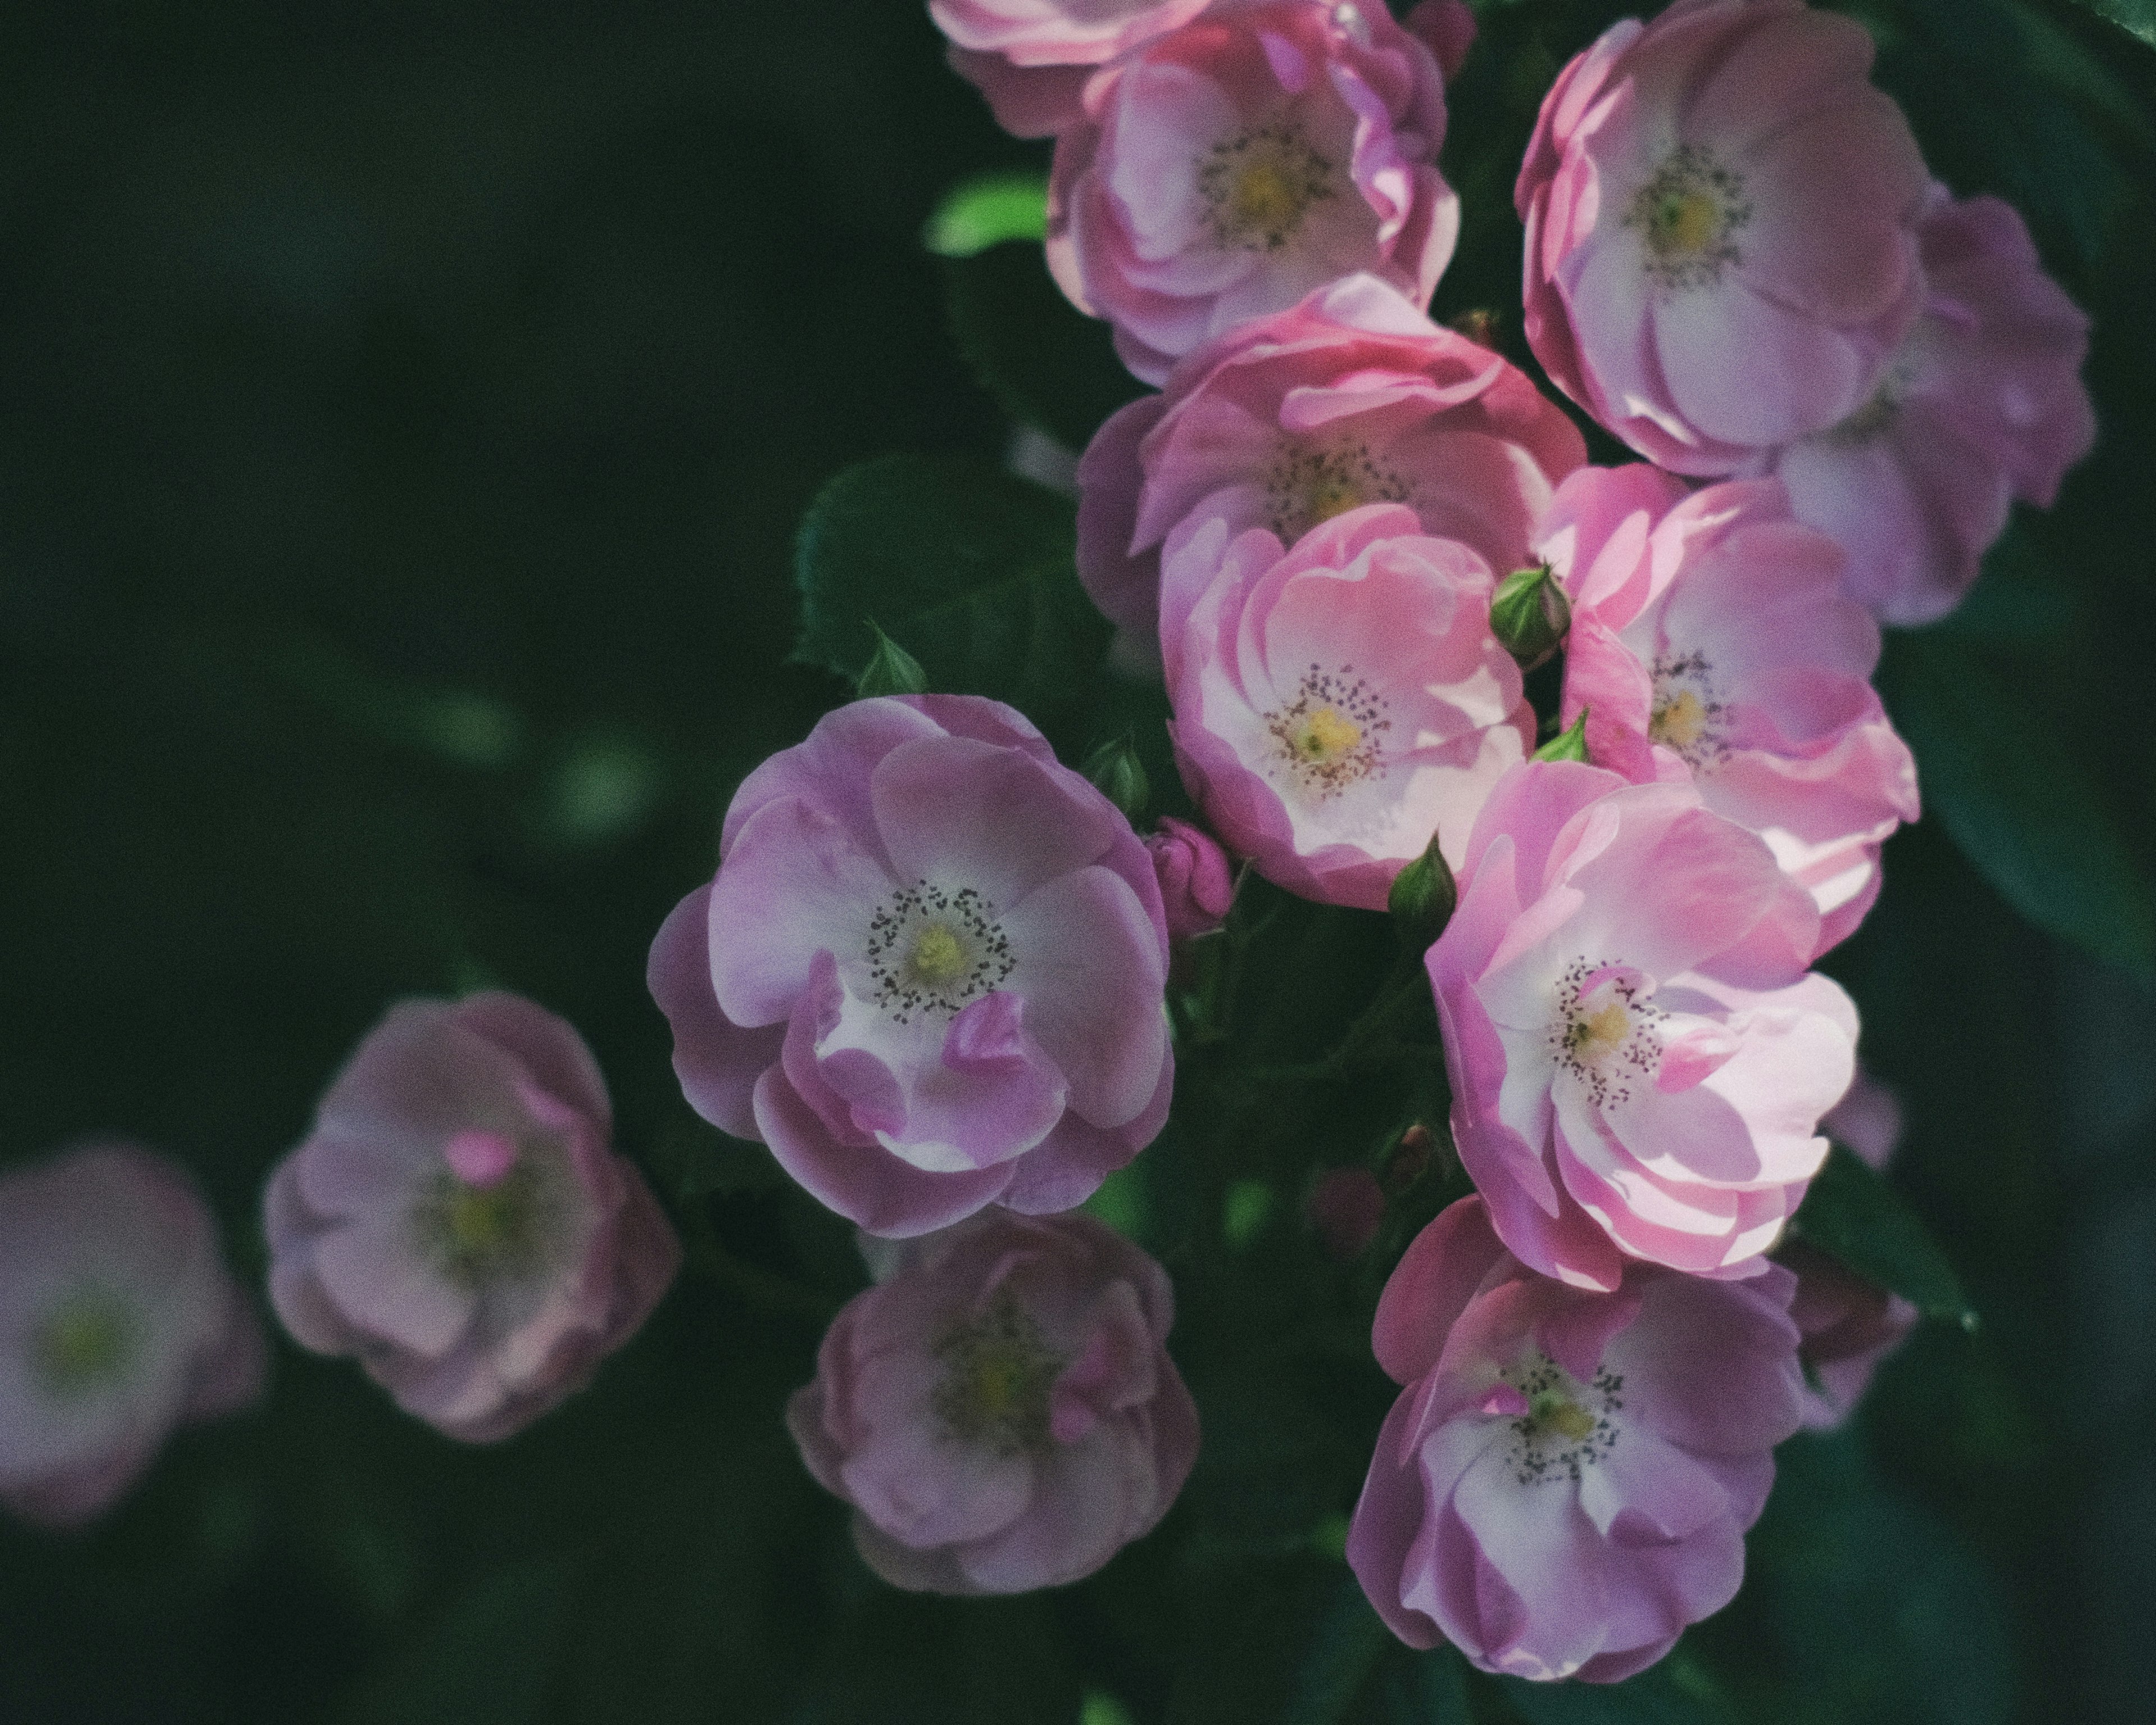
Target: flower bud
<point x="1197" y="885"/>
<point x="1409" y="1160"/>
<point x="1567" y="745"/>
<point x="1345" y="1207"/>
<point x="1119" y="776"/>
<point x="891" y="669"/>
<point x="1529" y="614"/>
<point x="1422" y="898"/>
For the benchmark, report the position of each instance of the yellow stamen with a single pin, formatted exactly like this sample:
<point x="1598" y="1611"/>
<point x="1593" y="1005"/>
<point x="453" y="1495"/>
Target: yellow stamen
<point x="1552" y="1410"/>
<point x="1684" y="224"/>
<point x="938" y="956"/>
<point x="1595" y="1034"/>
<point x="1679" y="723"/>
<point x="1326" y="735"/>
<point x="1263" y="199"/>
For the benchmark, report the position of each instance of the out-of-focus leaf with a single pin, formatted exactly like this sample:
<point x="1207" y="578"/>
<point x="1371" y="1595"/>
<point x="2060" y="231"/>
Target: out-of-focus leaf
<point x="964" y="565"/>
<point x="2019" y="602"/>
<point x="986" y="212"/>
<point x="1654" y="1697"/>
<point x="1045" y="362"/>
<point x="2137" y="16"/>
<point x="485" y="1661"/>
<point x="2019" y="804"/>
<point x="1852" y="1213"/>
<point x="1349" y="1641"/>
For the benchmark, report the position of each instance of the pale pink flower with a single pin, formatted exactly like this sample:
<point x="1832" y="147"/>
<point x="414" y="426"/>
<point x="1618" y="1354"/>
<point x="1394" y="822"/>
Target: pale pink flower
<point x="930" y="974"/>
<point x="1566" y="1480"/>
<point x="1712" y="640"/>
<point x="1031" y="58"/>
<point x="458" y="1218"/>
<point x="1639" y="1060"/>
<point x="1337" y="707"/>
<point x="1226" y="169"/>
<point x="1351" y="396"/>
<point x="1196" y="882"/>
<point x="1721" y="246"/>
<point x="118" y="1320"/>
<point x="1849" y="1325"/>
<point x="1000" y="1408"/>
<point x="1982" y="403"/>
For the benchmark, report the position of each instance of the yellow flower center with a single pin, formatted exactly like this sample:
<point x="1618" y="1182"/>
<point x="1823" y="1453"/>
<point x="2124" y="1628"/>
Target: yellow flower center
<point x="1324" y="735"/>
<point x="1260" y="185"/>
<point x="998" y="1378"/>
<point x="1680" y="722"/>
<point x="937" y="956"/>
<point x="1602" y="1032"/>
<point x="1682" y="225"/>
<point x="1553" y="1411"/>
<point x="1688" y="217"/>
<point x="88" y="1340"/>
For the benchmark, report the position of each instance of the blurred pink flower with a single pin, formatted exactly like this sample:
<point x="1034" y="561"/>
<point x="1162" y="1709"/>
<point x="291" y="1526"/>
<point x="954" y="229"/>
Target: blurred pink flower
<point x="1983" y="402"/>
<point x="930" y="973"/>
<point x="1031" y="58"/>
<point x="1336" y="707"/>
<point x="458" y="1218"/>
<point x="1566" y="1481"/>
<point x="1000" y="1409"/>
<point x="1712" y="640"/>
<point x="122" y="1322"/>
<point x="1228" y="168"/>
<point x="1351" y="396"/>
<point x="1196" y="882"/>
<point x="1346" y="1207"/>
<point x="1721" y="247"/>
<point x="1639" y="1060"/>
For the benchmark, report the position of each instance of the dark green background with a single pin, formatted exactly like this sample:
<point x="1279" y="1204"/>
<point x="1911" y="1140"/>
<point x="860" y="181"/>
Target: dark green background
<point x="406" y="411"/>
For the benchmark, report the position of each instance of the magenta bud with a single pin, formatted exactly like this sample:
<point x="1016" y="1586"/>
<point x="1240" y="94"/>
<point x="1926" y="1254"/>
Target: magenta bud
<point x="1197" y="885"/>
<point x="1345" y="1207"/>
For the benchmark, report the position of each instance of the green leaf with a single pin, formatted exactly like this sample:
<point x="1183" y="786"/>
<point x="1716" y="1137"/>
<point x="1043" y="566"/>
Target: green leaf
<point x="968" y="568"/>
<point x="1567" y="745"/>
<point x="1047" y="363"/>
<point x="2020" y="804"/>
<point x="986" y="212"/>
<point x="2137" y="17"/>
<point x="1853" y="1214"/>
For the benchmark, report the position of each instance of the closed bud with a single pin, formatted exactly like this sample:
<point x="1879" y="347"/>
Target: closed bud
<point x="1567" y="745"/>
<point x="1121" y="777"/>
<point x="891" y="670"/>
<point x="1422" y="898"/>
<point x="1409" y="1160"/>
<point x="1530" y="615"/>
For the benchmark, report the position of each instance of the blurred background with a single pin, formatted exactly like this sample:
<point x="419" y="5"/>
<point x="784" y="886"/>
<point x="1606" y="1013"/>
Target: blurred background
<point x="405" y="414"/>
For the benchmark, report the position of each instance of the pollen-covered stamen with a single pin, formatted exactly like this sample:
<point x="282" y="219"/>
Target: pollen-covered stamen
<point x="998" y="1377"/>
<point x="1688" y="216"/>
<point x="1688" y="716"/>
<point x="1328" y="735"/>
<point x="1259" y="186"/>
<point x="84" y="1341"/>
<point x="1308" y="485"/>
<point x="1605" y="1032"/>
<point x="934" y="949"/>
<point x="1568" y="1426"/>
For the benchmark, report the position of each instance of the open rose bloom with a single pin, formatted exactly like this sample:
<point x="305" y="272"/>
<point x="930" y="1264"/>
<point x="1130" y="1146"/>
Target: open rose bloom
<point x="1639" y="1059"/>
<point x="930" y="974"/>
<point x="1982" y="403"/>
<point x="1230" y="168"/>
<point x="1000" y="1409"/>
<point x="1566" y="1480"/>
<point x="1031" y="58"/>
<point x="1721" y="244"/>
<point x="1352" y="396"/>
<point x="1336" y="707"/>
<point x="1712" y="640"/>
<point x="118" y="1320"/>
<point x="458" y="1218"/>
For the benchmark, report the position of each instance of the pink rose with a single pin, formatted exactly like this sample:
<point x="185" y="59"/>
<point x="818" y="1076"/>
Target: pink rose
<point x="1228" y="168"/>
<point x="931" y="972"/>
<point x="121" y="1321"/>
<point x="1983" y="402"/>
<point x="1721" y="248"/>
<point x="1639" y="1060"/>
<point x="458" y="1218"/>
<point x="1336" y="707"/>
<point x="1031" y="58"/>
<point x="1712" y="640"/>
<point x="1566" y="1482"/>
<point x="1000" y="1409"/>
<point x="1351" y="396"/>
<point x="1197" y="884"/>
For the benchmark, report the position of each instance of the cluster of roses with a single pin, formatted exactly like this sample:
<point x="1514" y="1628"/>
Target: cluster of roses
<point x="929" y="974"/>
